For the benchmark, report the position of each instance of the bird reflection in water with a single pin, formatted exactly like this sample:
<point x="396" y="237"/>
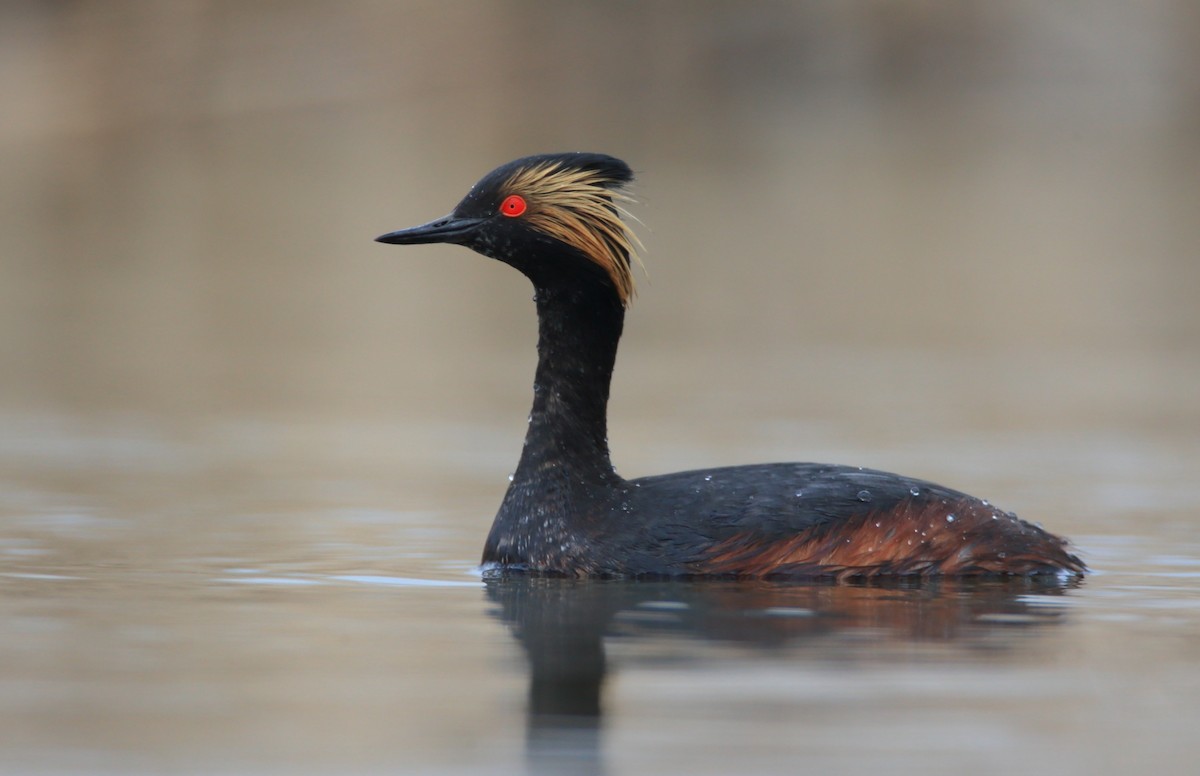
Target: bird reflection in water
<point x="562" y="625"/>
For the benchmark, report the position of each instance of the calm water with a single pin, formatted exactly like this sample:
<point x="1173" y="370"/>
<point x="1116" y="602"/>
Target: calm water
<point x="248" y="457"/>
<point x="210" y="600"/>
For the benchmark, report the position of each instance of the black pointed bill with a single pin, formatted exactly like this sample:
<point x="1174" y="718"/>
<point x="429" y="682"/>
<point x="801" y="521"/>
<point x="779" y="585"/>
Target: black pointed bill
<point x="444" y="230"/>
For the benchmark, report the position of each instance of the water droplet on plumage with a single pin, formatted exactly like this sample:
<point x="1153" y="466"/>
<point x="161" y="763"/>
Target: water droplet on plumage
<point x="864" y="495"/>
<point x="708" y="478"/>
<point x="799" y="493"/>
<point x="914" y="490"/>
<point x="949" y="518"/>
<point x="512" y="477"/>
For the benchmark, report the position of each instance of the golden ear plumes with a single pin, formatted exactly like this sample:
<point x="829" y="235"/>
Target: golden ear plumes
<point x="579" y="207"/>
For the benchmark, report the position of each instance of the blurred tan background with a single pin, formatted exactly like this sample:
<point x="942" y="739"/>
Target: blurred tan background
<point x="190" y="190"/>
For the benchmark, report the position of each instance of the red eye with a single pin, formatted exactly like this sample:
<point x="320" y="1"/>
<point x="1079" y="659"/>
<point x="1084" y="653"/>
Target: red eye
<point x="513" y="205"/>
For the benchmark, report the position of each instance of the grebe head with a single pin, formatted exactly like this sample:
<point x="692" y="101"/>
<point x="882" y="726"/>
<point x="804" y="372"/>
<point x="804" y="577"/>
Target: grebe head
<point x="554" y="217"/>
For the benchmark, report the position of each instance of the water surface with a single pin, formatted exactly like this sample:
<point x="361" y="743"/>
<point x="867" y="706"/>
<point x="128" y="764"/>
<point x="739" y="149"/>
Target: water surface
<point x="190" y="602"/>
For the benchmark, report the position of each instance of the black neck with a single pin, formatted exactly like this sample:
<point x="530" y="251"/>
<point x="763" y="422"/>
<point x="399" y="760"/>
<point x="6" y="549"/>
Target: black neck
<point x="578" y="330"/>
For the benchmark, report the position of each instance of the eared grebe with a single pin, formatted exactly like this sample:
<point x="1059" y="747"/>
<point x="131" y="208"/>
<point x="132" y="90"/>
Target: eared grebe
<point x="556" y="219"/>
